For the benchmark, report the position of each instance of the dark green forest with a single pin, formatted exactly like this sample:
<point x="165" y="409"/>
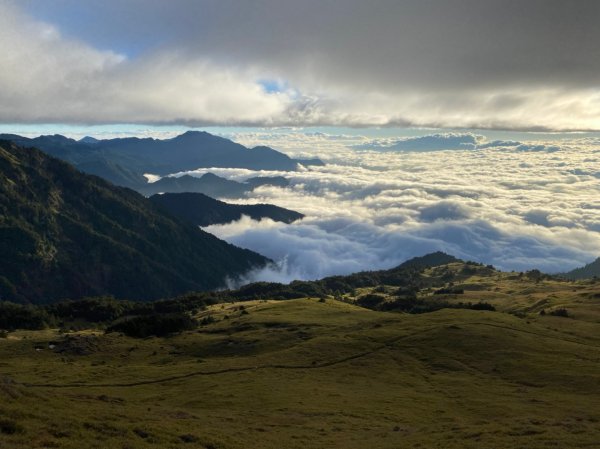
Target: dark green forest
<point x="65" y="234"/>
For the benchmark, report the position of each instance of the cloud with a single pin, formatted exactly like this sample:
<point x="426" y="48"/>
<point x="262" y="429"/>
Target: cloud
<point x="49" y="78"/>
<point x="517" y="210"/>
<point x="546" y="148"/>
<point x="444" y="64"/>
<point x="444" y="210"/>
<point x="548" y="218"/>
<point x="312" y="250"/>
<point x="434" y="142"/>
<point x="498" y="143"/>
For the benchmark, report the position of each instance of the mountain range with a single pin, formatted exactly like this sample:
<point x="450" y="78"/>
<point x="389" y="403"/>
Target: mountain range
<point x="66" y="234"/>
<point x="124" y="161"/>
<point x="209" y="184"/>
<point x="202" y="210"/>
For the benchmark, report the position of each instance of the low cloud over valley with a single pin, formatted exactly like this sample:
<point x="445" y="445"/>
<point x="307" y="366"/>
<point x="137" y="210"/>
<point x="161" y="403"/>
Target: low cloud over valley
<point x="366" y="210"/>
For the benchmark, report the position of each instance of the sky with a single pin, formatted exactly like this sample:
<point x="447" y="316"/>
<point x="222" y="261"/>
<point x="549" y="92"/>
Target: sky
<point x="494" y="64"/>
<point x="467" y="126"/>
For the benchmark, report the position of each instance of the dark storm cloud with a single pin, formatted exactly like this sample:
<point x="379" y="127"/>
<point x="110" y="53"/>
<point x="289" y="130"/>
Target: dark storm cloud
<point x="452" y="42"/>
<point x="452" y="63"/>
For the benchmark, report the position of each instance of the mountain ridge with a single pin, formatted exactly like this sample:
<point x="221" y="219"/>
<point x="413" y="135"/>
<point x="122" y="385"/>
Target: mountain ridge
<point x="203" y="210"/>
<point x="211" y="185"/>
<point x="66" y="234"/>
<point x="111" y="158"/>
<point x="589" y="270"/>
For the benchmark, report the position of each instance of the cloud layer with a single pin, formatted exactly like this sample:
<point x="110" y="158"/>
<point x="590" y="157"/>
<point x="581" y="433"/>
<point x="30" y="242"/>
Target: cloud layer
<point x="371" y="210"/>
<point x="447" y="63"/>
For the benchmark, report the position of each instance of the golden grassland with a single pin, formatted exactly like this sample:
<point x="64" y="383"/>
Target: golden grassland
<point x="323" y="374"/>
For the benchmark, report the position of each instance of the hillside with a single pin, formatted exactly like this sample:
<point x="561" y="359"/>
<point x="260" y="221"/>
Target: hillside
<point x="588" y="271"/>
<point x="209" y="184"/>
<point x="124" y="161"/>
<point x="320" y="373"/>
<point x="64" y="234"/>
<point x="202" y="210"/>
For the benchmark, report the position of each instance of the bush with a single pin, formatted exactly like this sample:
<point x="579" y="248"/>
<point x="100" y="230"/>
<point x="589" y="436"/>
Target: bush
<point x="406" y="292"/>
<point x="480" y="306"/>
<point x="93" y="310"/>
<point x="469" y="270"/>
<point x="274" y="290"/>
<point x="562" y="312"/>
<point x="16" y="316"/>
<point x="449" y="291"/>
<point x="159" y="325"/>
<point x="208" y="319"/>
<point x="10" y="427"/>
<point x="370" y="301"/>
<point x="415" y="306"/>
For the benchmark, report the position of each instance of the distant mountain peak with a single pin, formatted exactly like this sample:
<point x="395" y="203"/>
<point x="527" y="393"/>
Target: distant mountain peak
<point x="434" y="259"/>
<point x="192" y="132"/>
<point x="124" y="161"/>
<point x="88" y="139"/>
<point x="194" y="135"/>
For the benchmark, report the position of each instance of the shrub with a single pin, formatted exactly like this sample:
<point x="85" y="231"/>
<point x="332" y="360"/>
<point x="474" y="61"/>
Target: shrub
<point x="370" y="301"/>
<point x="10" y="427"/>
<point x="407" y="292"/>
<point x="188" y="438"/>
<point x="93" y="310"/>
<point x="208" y="319"/>
<point x="449" y="291"/>
<point x="481" y="306"/>
<point x="468" y="269"/>
<point x="562" y="312"/>
<point x="159" y="325"/>
<point x="416" y="306"/>
<point x="16" y="316"/>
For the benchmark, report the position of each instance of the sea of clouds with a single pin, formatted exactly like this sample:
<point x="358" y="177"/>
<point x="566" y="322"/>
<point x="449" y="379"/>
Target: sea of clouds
<point x="516" y="205"/>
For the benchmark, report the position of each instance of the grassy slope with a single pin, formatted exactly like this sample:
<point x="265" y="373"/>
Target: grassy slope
<point x="518" y="294"/>
<point x="307" y="374"/>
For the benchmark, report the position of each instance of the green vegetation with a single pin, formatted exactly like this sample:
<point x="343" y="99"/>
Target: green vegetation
<point x="303" y="373"/>
<point x="591" y="270"/>
<point x="17" y="316"/>
<point x="156" y="324"/>
<point x="237" y="370"/>
<point x="64" y="234"/>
